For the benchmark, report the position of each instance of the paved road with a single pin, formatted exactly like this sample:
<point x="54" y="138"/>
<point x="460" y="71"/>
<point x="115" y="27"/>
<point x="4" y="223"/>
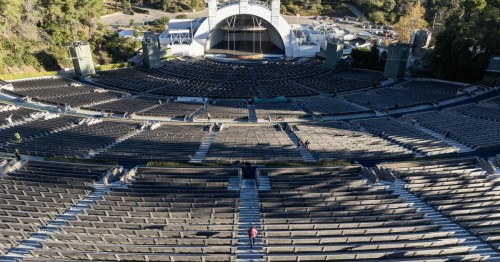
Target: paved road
<point x="120" y="19"/>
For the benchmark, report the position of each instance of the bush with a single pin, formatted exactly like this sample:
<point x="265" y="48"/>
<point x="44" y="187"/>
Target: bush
<point x="181" y="16"/>
<point x="113" y="66"/>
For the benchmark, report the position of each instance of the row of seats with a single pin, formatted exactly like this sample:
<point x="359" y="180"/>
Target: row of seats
<point x="165" y="143"/>
<point x="173" y="110"/>
<point x="34" y="195"/>
<point x="128" y="105"/>
<point x="335" y="214"/>
<point x="325" y="106"/>
<point x="254" y="144"/>
<point x="148" y="221"/>
<point x="15" y="113"/>
<point x="408" y="94"/>
<point x="475" y="132"/>
<point x="340" y="141"/>
<point x="225" y="109"/>
<point x="406" y="135"/>
<point x="282" y="111"/>
<point x="459" y="190"/>
<point x="77" y="140"/>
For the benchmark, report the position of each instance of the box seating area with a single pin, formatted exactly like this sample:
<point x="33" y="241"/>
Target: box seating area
<point x="74" y="142"/>
<point x="131" y="79"/>
<point x="254" y="144"/>
<point x="48" y="88"/>
<point x="339" y="141"/>
<point x="459" y="190"/>
<point x="407" y="136"/>
<point x="285" y="70"/>
<point x="330" y="83"/>
<point x="282" y="111"/>
<point x="166" y="143"/>
<point x="87" y="99"/>
<point x="238" y="84"/>
<point x="335" y="214"/>
<point x="471" y="131"/>
<point x="285" y="88"/>
<point x="202" y="69"/>
<point x="41" y="83"/>
<point x="225" y="109"/>
<point x="18" y="113"/>
<point x="172" y="110"/>
<point x="165" y="215"/>
<point x="412" y="93"/>
<point x="35" y="194"/>
<point x="37" y="128"/>
<point x="187" y="87"/>
<point x="127" y="105"/>
<point x="324" y="106"/>
<point x="484" y="110"/>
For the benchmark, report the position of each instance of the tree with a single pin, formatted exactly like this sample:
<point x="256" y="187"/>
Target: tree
<point x="412" y="19"/>
<point x="472" y="6"/>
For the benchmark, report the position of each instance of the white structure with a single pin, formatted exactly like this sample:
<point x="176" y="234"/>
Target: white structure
<point x="246" y="27"/>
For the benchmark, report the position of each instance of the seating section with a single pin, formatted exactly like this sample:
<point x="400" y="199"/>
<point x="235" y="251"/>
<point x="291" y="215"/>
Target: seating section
<point x="459" y="190"/>
<point x="407" y="136"/>
<point x="15" y="113"/>
<point x="342" y="82"/>
<point x="287" y="88"/>
<point x="173" y="110"/>
<point x="486" y="110"/>
<point x="86" y="99"/>
<point x="34" y="195"/>
<point x="165" y="215"/>
<point x="335" y="214"/>
<point x="324" y="106"/>
<point x="254" y="144"/>
<point x="279" y="111"/>
<point x="61" y="91"/>
<point x="408" y="94"/>
<point x="225" y="109"/>
<point x="130" y="79"/>
<point x="127" y="105"/>
<point x="340" y="141"/>
<point x="37" y="128"/>
<point x="472" y="131"/>
<point x="75" y="141"/>
<point x="166" y="143"/>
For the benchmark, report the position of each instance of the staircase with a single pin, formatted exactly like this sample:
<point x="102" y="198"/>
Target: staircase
<point x="481" y="249"/>
<point x="462" y="148"/>
<point x="204" y="147"/>
<point x="306" y="155"/>
<point x="249" y="215"/>
<point x="252" y="116"/>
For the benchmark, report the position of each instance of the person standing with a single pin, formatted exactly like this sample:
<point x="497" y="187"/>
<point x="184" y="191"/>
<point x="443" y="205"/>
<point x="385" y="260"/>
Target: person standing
<point x="17" y="155"/>
<point x="252" y="233"/>
<point x="18" y="136"/>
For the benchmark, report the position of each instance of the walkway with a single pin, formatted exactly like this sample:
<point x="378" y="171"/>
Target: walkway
<point x="249" y="215"/>
<point x="306" y="155"/>
<point x="204" y="147"/>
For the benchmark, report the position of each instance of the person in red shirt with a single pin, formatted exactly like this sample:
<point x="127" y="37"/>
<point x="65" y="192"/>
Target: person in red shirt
<point x="252" y="233"/>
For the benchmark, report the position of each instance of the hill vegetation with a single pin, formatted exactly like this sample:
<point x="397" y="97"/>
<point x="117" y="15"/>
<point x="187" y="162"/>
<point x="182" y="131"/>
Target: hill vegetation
<point x="35" y="33"/>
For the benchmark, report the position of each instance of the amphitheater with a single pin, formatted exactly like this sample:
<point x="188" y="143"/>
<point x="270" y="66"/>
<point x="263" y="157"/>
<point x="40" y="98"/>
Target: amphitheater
<point x="392" y="171"/>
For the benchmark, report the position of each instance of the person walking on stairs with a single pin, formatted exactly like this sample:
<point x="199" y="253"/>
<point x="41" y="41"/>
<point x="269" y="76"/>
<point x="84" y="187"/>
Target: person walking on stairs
<point x="252" y="233"/>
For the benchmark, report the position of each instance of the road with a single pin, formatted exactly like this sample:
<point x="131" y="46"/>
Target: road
<point x="120" y="19"/>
